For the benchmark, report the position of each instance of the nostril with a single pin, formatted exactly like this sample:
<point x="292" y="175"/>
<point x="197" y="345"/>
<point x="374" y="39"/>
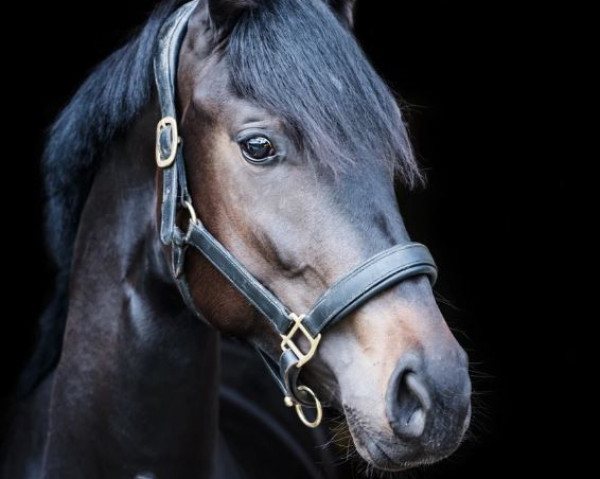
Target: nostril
<point x="408" y="405"/>
<point x="411" y="397"/>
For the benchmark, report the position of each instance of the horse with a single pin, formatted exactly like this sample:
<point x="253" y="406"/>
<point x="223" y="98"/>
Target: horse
<point x="232" y="165"/>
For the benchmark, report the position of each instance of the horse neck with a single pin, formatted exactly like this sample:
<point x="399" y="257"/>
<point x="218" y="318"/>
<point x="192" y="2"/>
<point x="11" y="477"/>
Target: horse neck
<point x="136" y="386"/>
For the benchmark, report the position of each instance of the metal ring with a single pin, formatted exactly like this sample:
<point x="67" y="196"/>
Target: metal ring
<point x="317" y="406"/>
<point x="191" y="211"/>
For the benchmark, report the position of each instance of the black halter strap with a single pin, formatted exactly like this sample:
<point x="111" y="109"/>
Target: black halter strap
<point x="378" y="273"/>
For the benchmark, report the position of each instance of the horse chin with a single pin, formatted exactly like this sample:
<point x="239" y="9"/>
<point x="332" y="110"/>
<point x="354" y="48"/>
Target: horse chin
<point x="386" y="453"/>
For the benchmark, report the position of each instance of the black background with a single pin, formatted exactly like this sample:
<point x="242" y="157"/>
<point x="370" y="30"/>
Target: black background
<point x="494" y="214"/>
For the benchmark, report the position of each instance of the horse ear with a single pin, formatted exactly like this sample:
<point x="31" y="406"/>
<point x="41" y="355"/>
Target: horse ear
<point x="344" y="9"/>
<point x="224" y="13"/>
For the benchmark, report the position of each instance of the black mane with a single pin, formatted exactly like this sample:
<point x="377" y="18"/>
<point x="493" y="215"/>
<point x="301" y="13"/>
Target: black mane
<point x="296" y="59"/>
<point x="107" y="103"/>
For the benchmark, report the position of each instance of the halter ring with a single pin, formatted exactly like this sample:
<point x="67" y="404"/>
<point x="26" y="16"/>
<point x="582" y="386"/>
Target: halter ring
<point x="300" y="411"/>
<point x="191" y="211"/>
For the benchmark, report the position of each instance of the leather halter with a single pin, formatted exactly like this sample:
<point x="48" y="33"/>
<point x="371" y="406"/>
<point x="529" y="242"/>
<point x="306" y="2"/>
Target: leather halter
<point x="378" y="273"/>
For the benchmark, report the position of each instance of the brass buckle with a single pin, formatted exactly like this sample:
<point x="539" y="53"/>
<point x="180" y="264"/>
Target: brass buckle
<point x="288" y="344"/>
<point x="288" y="341"/>
<point x="300" y="411"/>
<point x="167" y="121"/>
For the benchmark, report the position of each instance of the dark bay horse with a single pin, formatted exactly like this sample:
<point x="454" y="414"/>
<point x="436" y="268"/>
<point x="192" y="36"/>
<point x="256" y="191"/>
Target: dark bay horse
<point x="292" y="145"/>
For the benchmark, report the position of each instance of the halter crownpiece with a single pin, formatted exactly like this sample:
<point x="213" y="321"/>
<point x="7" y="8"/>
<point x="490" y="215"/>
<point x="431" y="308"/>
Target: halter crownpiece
<point x="367" y="280"/>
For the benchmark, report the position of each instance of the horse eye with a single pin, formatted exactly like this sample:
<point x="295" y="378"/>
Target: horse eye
<point x="258" y="149"/>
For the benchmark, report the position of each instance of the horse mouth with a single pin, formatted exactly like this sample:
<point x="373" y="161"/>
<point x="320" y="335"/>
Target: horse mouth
<point x="380" y="455"/>
<point x="391" y="455"/>
<point x="385" y="453"/>
<point x="381" y="459"/>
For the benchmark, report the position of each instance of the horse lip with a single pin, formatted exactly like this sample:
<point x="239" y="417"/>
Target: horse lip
<point x="382" y="460"/>
<point x="377" y="454"/>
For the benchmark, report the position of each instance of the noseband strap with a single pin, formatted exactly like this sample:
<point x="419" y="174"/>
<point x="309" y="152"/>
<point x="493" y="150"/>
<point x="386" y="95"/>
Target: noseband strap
<point x="300" y="334"/>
